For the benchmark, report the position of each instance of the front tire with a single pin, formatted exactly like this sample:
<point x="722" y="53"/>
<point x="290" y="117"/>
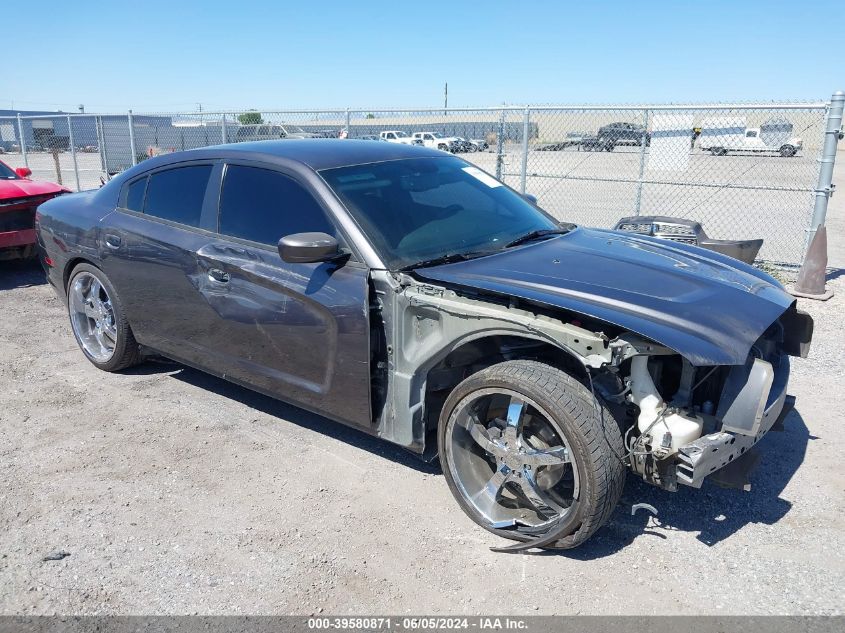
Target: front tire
<point x="787" y="151"/>
<point x="98" y="321"/>
<point x="526" y="452"/>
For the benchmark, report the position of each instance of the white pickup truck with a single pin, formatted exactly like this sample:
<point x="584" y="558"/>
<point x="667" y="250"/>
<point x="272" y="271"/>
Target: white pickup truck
<point x="397" y="136"/>
<point x="729" y="134"/>
<point x="438" y="141"/>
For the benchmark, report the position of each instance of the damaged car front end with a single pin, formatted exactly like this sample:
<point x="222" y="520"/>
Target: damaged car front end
<point x="689" y="353"/>
<point x="697" y="421"/>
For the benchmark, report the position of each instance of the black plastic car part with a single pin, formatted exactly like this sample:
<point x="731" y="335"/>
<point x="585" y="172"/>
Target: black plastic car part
<point x="689" y="232"/>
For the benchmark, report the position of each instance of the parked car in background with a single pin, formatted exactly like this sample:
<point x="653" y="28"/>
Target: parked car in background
<point x="368" y="137"/>
<point x="19" y="198"/>
<point x="689" y="232"/>
<point x="266" y="132"/>
<point x="622" y="133"/>
<point x="572" y="139"/>
<point x="464" y="145"/>
<point x="481" y="144"/>
<point x="439" y="141"/>
<point x="538" y="361"/>
<point x="397" y="136"/>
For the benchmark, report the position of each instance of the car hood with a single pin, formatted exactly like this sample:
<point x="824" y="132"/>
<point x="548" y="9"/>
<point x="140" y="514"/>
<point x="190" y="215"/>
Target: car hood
<point x="707" y="307"/>
<point x="22" y="188"/>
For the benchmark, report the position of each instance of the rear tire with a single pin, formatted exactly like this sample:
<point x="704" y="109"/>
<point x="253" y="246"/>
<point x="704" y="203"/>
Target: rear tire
<point x="98" y="321"/>
<point x="788" y="150"/>
<point x="525" y="501"/>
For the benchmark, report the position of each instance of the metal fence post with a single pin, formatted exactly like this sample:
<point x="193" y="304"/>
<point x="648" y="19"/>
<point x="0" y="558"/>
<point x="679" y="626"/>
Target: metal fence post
<point x="524" y="174"/>
<point x="642" y="164"/>
<point x="132" y="139"/>
<point x="824" y="188"/>
<point x="348" y="130"/>
<point x="101" y="139"/>
<point x="73" y="151"/>
<point x="223" y="131"/>
<point x="500" y="145"/>
<point x="22" y="140"/>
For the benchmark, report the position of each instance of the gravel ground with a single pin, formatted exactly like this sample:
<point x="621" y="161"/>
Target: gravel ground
<point x="175" y="492"/>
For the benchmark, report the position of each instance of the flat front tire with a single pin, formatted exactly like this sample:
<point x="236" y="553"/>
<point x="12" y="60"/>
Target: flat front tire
<point x="98" y="321"/>
<point x="526" y="451"/>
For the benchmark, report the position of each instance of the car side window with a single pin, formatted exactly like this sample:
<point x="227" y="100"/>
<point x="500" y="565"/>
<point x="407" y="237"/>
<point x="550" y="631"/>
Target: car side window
<point x="134" y="195"/>
<point x="263" y="206"/>
<point x="177" y="194"/>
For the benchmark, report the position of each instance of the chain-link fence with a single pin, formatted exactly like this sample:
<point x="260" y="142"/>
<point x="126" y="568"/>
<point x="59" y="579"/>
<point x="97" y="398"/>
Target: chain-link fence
<point x="743" y="170"/>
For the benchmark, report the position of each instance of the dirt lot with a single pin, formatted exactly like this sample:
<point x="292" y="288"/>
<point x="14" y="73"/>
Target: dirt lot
<point x="175" y="492"/>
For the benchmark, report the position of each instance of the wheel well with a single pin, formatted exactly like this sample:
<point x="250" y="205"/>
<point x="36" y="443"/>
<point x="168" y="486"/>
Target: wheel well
<point x="73" y="263"/>
<point x="472" y="357"/>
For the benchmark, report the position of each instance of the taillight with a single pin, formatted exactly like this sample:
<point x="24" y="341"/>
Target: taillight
<point x="49" y="262"/>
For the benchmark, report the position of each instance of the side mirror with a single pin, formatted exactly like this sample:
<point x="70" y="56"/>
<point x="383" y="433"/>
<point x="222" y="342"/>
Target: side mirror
<point x="305" y="248"/>
<point x="23" y="172"/>
<point x="531" y="198"/>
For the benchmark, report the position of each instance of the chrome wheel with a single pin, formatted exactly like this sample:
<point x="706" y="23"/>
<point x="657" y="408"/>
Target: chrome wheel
<point x="510" y="461"/>
<point x="92" y="317"/>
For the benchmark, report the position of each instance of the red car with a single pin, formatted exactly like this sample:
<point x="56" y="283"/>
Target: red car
<point x="19" y="197"/>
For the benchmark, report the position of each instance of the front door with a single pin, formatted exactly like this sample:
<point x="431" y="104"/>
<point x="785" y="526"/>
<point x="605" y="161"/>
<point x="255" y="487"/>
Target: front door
<point x="299" y="331"/>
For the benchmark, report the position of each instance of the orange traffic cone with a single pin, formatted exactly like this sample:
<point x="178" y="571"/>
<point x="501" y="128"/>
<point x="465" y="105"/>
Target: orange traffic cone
<point x="811" y="278"/>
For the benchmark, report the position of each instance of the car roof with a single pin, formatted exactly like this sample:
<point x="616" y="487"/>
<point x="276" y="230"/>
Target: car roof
<point x="328" y="153"/>
<point x="317" y="154"/>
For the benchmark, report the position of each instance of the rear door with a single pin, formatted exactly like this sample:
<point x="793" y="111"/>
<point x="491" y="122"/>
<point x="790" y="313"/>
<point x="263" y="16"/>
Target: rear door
<point x="298" y="331"/>
<point x="150" y="250"/>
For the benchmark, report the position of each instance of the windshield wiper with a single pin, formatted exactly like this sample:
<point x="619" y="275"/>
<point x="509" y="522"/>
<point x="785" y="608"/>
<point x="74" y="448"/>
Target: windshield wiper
<point x="443" y="259"/>
<point x="535" y="235"/>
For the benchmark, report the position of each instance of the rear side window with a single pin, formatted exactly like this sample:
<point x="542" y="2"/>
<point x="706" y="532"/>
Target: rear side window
<point x="263" y="206"/>
<point x="135" y="195"/>
<point x="177" y="194"/>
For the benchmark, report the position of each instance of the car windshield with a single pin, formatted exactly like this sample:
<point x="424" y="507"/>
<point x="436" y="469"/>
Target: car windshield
<point x="7" y="173"/>
<point x="420" y="209"/>
<point x="293" y="129"/>
<point x="400" y="134"/>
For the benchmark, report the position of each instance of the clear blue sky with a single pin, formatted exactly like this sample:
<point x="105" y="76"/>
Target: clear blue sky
<point x="154" y="55"/>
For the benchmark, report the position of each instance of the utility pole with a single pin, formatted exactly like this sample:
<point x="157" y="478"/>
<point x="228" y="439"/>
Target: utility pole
<point x="445" y="98"/>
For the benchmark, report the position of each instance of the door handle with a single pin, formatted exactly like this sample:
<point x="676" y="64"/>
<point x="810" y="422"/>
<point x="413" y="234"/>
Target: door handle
<point x="220" y="276"/>
<point x="113" y="241"/>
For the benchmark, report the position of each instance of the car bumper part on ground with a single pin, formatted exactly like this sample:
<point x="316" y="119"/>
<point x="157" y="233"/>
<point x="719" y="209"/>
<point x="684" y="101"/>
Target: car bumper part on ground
<point x="761" y="405"/>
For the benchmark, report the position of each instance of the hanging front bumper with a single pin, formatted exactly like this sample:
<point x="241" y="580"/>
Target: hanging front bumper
<point x="753" y="402"/>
